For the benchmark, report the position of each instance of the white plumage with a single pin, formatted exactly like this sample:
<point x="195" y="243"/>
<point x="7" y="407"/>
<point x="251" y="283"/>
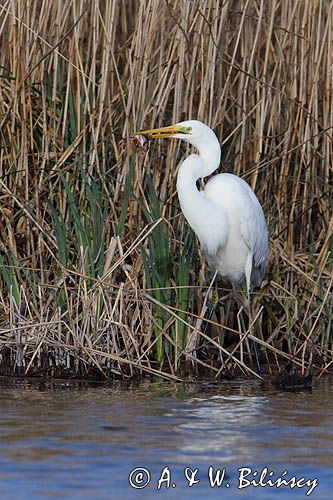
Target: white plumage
<point x="226" y="216"/>
<point x="245" y="227"/>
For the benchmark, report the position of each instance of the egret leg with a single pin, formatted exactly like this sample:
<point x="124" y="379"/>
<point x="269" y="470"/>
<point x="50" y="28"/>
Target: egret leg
<point x="254" y="343"/>
<point x="216" y="299"/>
<point x="248" y="271"/>
<point x="212" y="306"/>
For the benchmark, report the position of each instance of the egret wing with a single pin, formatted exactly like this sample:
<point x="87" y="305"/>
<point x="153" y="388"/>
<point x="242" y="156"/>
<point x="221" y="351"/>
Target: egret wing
<point x="254" y="232"/>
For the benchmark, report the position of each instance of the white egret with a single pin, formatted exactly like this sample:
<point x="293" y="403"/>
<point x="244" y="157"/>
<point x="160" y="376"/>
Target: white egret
<point x="226" y="216"/>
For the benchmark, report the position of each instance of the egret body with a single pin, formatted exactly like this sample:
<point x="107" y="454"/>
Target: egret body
<point x="226" y="216"/>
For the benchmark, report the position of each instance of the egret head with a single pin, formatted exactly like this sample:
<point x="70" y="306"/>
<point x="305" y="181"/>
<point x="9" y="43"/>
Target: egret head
<point x="196" y="133"/>
<point x="193" y="131"/>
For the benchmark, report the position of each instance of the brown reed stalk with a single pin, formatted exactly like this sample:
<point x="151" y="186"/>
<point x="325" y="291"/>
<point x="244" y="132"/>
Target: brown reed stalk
<point x="78" y="293"/>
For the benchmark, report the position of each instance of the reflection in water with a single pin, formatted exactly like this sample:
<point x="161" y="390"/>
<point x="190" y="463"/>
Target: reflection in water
<point x="73" y="442"/>
<point x="224" y="427"/>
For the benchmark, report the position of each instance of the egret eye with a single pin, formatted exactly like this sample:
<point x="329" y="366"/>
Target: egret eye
<point x="189" y="129"/>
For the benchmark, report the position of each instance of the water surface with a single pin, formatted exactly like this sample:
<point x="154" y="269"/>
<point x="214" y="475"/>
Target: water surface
<point x="72" y="441"/>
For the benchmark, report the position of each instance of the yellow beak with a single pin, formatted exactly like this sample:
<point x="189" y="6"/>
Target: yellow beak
<point x="157" y="133"/>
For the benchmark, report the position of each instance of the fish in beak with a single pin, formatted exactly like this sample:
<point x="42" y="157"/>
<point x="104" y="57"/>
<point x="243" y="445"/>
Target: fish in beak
<point x="141" y="142"/>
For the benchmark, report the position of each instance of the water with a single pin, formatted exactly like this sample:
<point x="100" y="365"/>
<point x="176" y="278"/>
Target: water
<point x="65" y="441"/>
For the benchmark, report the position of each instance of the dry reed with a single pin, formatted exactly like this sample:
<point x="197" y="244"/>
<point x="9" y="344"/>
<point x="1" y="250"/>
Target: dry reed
<point x="99" y="272"/>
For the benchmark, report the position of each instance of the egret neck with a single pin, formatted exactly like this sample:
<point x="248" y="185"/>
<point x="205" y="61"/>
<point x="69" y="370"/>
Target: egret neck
<point x="202" y="215"/>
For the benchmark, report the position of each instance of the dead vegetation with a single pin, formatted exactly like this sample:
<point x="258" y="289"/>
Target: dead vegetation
<point x="99" y="273"/>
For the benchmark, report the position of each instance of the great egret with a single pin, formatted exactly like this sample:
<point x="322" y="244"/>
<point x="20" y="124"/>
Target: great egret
<point x="226" y="216"/>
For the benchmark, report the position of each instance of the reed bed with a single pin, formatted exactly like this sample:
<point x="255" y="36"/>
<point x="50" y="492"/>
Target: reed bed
<point x="99" y="273"/>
